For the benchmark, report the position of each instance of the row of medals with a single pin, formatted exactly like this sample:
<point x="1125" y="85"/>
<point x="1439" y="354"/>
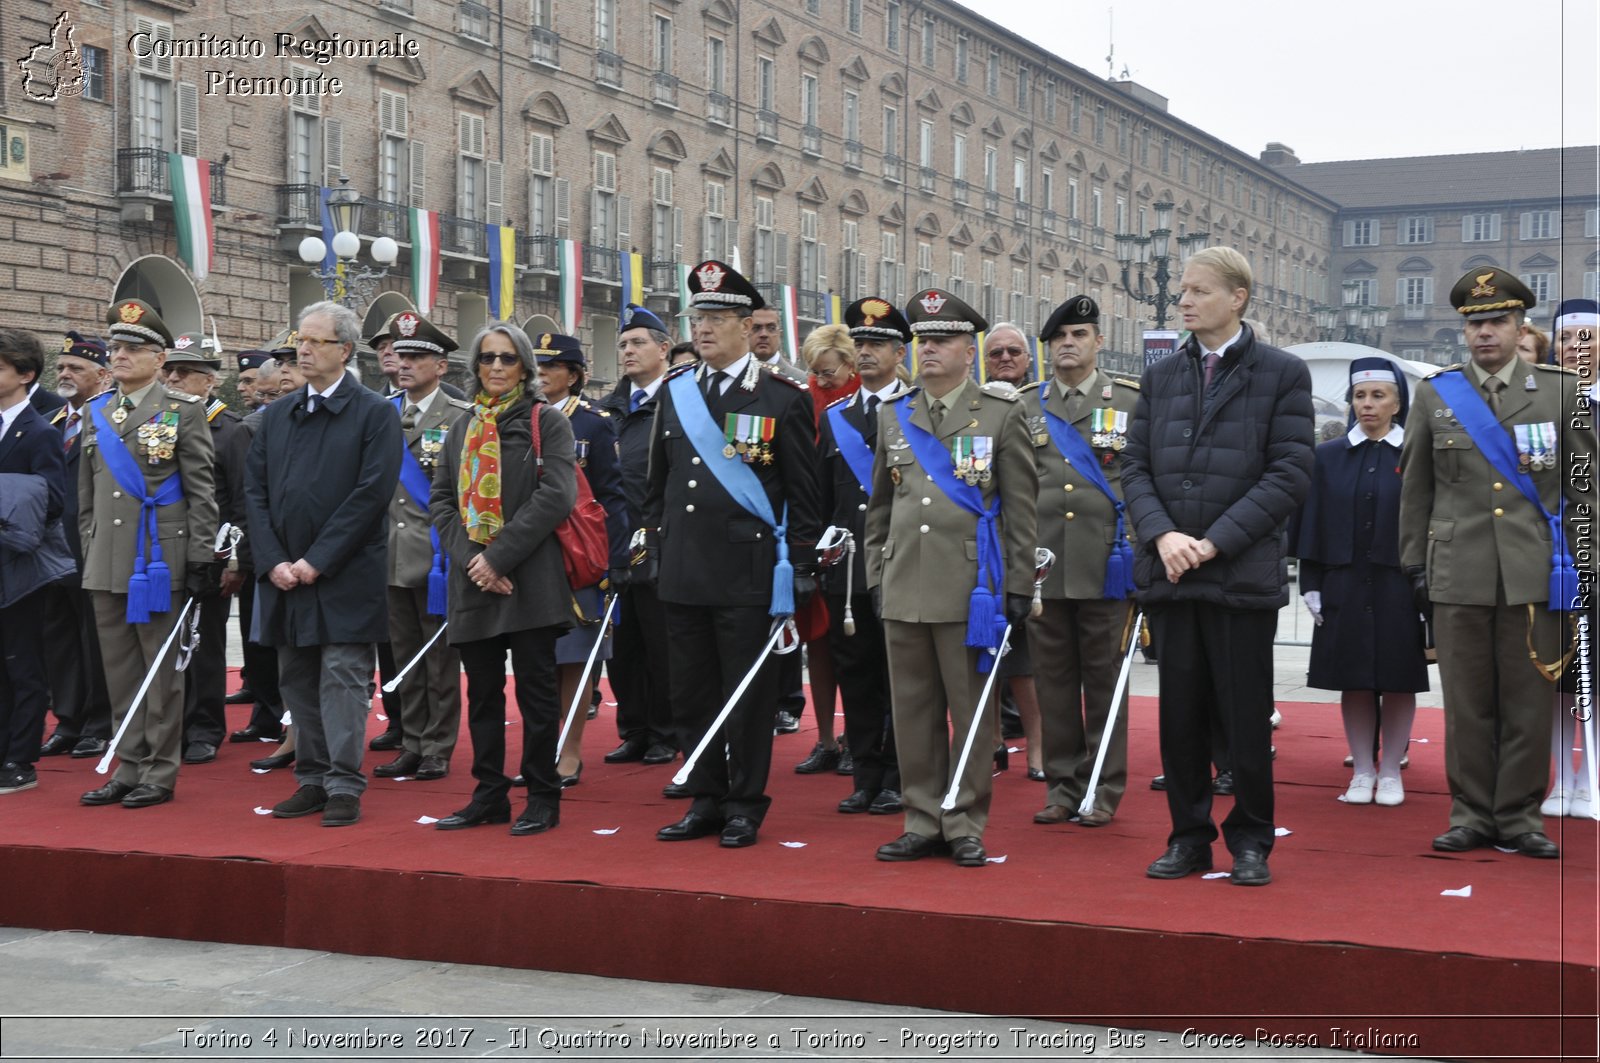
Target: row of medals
<point x="1533" y="450"/>
<point x="972" y="455"/>
<point x="1109" y="428"/>
<point x="749" y="453"/>
<point x="158" y="436"/>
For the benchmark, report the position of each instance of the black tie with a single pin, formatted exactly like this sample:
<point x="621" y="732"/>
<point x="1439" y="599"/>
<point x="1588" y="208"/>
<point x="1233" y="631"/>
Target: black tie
<point x="872" y="409"/>
<point x="714" y="388"/>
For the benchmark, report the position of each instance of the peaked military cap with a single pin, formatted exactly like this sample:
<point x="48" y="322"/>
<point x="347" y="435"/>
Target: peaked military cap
<point x="553" y="348"/>
<point x="188" y="348"/>
<point x="1490" y="292"/>
<point x="1079" y="310"/>
<point x="135" y="321"/>
<point x="87" y="347"/>
<point x="875" y="319"/>
<point x="415" y="335"/>
<point x="716" y="285"/>
<point x="934" y="312"/>
<point x="255" y="359"/>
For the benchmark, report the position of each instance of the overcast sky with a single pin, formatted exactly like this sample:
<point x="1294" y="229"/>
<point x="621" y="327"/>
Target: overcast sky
<point x="1362" y="79"/>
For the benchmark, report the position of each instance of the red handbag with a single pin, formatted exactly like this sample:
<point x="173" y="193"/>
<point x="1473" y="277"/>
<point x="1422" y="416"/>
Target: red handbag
<point x="585" y="549"/>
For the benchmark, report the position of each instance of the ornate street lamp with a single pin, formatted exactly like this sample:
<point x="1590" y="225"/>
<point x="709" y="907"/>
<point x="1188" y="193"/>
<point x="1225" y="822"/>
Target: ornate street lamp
<point x="348" y="282"/>
<point x="1155" y="248"/>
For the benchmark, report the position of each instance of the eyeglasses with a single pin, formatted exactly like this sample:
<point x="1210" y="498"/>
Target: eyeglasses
<point x="827" y="374"/>
<point x="488" y="358"/>
<point x="1006" y="352"/>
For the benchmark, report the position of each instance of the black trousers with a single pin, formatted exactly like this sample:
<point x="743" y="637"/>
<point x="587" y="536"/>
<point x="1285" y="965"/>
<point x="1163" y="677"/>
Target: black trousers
<point x="861" y="667"/>
<point x="204" y="714"/>
<point x="24" y="692"/>
<point x="638" y="667"/>
<point x="1216" y="665"/>
<point x="261" y="662"/>
<point x="712" y="649"/>
<point x="533" y="664"/>
<point x="72" y="664"/>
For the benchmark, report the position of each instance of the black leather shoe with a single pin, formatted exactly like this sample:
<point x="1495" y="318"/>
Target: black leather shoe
<point x="146" y="794"/>
<point x="242" y="696"/>
<point x="676" y="792"/>
<point x="887" y="803"/>
<point x="968" y="852"/>
<point x="693" y="825"/>
<point x="1180" y="860"/>
<point x="90" y="747"/>
<point x="342" y="810"/>
<point x="536" y="819"/>
<point x="109" y="794"/>
<point x="200" y="753"/>
<point x="569" y="781"/>
<point x="739" y="832"/>
<point x="910" y="847"/>
<point x="274" y="762"/>
<point x="57" y="745"/>
<point x="860" y="801"/>
<point x="474" y="816"/>
<point x="787" y="723"/>
<point x="1250" y="868"/>
<point x="387" y="742"/>
<point x="660" y="753"/>
<point x="821" y="759"/>
<point x="1036" y="775"/>
<point x="847" y="763"/>
<point x="1534" y="843"/>
<point x="630" y="750"/>
<point x="303" y="802"/>
<point x="1459" y="840"/>
<point x="433" y="766"/>
<point x="251" y="734"/>
<point x="1223" y="783"/>
<point x="1002" y="757"/>
<point x="1158" y="783"/>
<point x="405" y="764"/>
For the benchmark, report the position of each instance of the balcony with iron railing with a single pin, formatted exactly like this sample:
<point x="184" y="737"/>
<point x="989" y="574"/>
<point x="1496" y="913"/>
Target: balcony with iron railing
<point x="299" y="205"/>
<point x="608" y="69"/>
<point x="927" y="179"/>
<point x="959" y="192"/>
<point x="379" y="218"/>
<point x="143" y="172"/>
<point x="852" y="154"/>
<point x="811" y="140"/>
<point x="664" y="89"/>
<point x="1075" y="230"/>
<point x="1414" y="312"/>
<point x="1021" y="214"/>
<point x="662" y="275"/>
<point x="1097" y="238"/>
<point x="540" y="253"/>
<point x="767" y="126"/>
<point x="462" y="236"/>
<point x="1047" y="220"/>
<point x="601" y="264"/>
<point x="893" y="169"/>
<point x="991" y="202"/>
<point x="397" y="7"/>
<point x="545" y="46"/>
<point x="719" y="108"/>
<point x="473" y="21"/>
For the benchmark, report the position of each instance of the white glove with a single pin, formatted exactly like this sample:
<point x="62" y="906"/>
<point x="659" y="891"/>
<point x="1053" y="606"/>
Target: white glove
<point x="1313" y="600"/>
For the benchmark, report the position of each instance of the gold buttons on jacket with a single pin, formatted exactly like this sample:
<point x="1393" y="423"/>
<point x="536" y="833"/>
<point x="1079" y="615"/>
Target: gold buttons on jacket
<point x="117" y="522"/>
<point x="927" y="501"/>
<point x="694" y="461"/>
<point x="1067" y="486"/>
<point x="399" y="524"/>
<point x="1071" y="515"/>
<point x="924" y="529"/>
<point x="1498" y="486"/>
<point x="692" y="483"/>
<point x="1499" y="512"/>
<point x="862" y="508"/>
<point x="116" y="494"/>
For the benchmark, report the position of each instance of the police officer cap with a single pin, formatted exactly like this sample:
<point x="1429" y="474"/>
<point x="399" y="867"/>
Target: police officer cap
<point x="86" y="347"/>
<point x="874" y="319"/>
<point x="635" y="316"/>
<point x="934" y="312"/>
<point x="255" y="359"/>
<point x="552" y="348"/>
<point x="188" y="348"/>
<point x="415" y="335"/>
<point x="716" y="285"/>
<point x="1490" y="292"/>
<point x="1079" y="310"/>
<point x="136" y="321"/>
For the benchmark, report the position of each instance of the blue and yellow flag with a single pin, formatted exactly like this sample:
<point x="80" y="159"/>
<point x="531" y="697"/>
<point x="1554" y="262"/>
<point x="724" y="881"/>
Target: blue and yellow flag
<point x="502" y="245"/>
<point x="835" y="310"/>
<point x="631" y="270"/>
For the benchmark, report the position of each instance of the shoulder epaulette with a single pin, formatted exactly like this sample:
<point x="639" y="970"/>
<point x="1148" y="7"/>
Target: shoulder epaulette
<point x="215" y="407"/>
<point x="1000" y="390"/>
<point x="796" y="384"/>
<point x="1033" y="385"/>
<point x="460" y="404"/>
<point x="906" y="394"/>
<point x="839" y="402"/>
<point x="1126" y="382"/>
<point x="1555" y="368"/>
<point x="686" y="367"/>
<point x="1446" y="369"/>
<point x="181" y="396"/>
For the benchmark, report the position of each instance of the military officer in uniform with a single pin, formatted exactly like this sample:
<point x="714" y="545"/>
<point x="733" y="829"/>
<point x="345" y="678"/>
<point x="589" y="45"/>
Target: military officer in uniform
<point x="147" y="465"/>
<point x="1480" y="550"/>
<point x="848" y="434"/>
<point x="735" y="508"/>
<point x="1087" y="609"/>
<point x="192" y="369"/>
<point x="430" y="695"/>
<point x="950" y="554"/>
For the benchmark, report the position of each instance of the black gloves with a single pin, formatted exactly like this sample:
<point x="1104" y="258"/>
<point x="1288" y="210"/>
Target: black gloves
<point x="644" y="557"/>
<point x="877" y="602"/>
<point x="200" y="579"/>
<point x="805" y="584"/>
<point x="1418" y="575"/>
<point x="1018" y="608"/>
<point x="618" y="579"/>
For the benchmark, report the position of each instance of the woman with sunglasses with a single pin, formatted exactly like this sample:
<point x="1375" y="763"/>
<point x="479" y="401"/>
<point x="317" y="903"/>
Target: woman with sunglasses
<point x="496" y="505"/>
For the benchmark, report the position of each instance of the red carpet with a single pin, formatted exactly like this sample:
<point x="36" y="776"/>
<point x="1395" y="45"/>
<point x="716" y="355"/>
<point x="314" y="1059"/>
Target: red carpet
<point x="1352" y="933"/>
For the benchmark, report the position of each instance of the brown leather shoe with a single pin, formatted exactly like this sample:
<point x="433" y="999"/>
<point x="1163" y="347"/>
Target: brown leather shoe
<point x="1053" y="814"/>
<point x="1098" y="818"/>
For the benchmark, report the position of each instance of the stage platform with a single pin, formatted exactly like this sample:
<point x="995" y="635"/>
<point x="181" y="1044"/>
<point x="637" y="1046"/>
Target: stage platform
<point x="1356" y="934"/>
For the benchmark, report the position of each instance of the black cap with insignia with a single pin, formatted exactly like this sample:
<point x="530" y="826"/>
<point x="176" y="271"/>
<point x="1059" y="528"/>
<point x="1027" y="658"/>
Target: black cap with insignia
<point x="88" y="348"/>
<point x="1490" y="292"/>
<point x="136" y="321"/>
<point x="635" y="316"/>
<point x="249" y="360"/>
<point x="1079" y="310"/>
<point x="875" y="319"/>
<point x="934" y="312"/>
<point x="415" y="335"/>
<point x="554" y="348"/>
<point x="716" y="285"/>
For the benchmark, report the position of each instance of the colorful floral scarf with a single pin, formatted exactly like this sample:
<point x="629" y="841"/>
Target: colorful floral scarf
<point x="478" y="482"/>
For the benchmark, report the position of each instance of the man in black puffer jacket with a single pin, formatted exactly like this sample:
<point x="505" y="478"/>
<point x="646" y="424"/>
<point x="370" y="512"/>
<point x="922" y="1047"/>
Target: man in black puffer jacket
<point x="1218" y="458"/>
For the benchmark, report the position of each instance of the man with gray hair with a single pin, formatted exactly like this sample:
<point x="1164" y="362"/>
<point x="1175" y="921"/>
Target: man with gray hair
<point x="319" y="478"/>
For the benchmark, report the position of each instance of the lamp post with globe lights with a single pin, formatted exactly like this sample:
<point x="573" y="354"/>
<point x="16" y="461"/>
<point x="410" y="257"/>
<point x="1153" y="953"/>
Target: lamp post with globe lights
<point x="347" y="282"/>
<point x="1154" y="248"/>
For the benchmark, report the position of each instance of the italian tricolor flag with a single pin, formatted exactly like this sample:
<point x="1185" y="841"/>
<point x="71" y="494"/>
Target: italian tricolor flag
<point x="791" y="323"/>
<point x="571" y="286"/>
<point x="425" y="262"/>
<point x="190" y="181"/>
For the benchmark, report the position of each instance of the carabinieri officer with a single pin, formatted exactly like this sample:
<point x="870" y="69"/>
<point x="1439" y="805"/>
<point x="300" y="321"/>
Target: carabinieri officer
<point x="734" y="509"/>
<point x="148" y="515"/>
<point x="950" y="550"/>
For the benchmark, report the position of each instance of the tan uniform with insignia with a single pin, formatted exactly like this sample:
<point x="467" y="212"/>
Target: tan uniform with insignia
<point x="1077" y="642"/>
<point x="922" y="552"/>
<point x="108" y="519"/>
<point x="1487" y="553"/>
<point x="430" y="695"/>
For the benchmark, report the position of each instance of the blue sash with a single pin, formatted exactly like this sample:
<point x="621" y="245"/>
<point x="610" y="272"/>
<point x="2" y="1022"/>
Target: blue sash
<point x="150" y="586"/>
<point x="736" y="478"/>
<point x="986" y="614"/>
<point x="414" y="478"/>
<point x="1119" y="565"/>
<point x="1495" y="443"/>
<point x="852" y="447"/>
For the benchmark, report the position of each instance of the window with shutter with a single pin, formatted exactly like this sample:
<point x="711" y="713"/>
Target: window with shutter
<point x="563" y="208"/>
<point x="332" y="150"/>
<point x="494" y="207"/>
<point x="188" y="119"/>
<point x="417" y="162"/>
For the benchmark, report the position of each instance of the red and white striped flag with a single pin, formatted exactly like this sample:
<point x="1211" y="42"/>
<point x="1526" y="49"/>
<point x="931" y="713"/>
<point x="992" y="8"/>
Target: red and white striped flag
<point x="190" y="181"/>
<point x="426" y="264"/>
